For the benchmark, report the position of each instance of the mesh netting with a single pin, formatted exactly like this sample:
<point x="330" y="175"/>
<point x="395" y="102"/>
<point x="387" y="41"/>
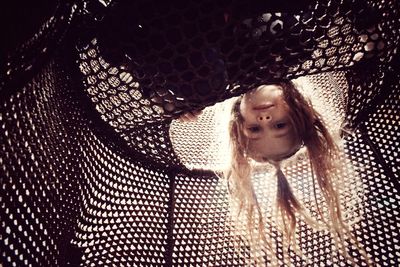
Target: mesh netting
<point x="96" y="171"/>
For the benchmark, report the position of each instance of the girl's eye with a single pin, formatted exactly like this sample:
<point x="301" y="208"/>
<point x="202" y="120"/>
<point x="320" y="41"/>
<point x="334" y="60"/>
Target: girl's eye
<point x="254" y="129"/>
<point x="280" y="125"/>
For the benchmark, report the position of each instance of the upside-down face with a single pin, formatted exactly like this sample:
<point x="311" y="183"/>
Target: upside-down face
<point x="267" y="124"/>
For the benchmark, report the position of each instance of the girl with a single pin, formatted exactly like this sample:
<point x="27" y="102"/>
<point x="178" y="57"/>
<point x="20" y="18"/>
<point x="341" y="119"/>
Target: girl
<point x="268" y="125"/>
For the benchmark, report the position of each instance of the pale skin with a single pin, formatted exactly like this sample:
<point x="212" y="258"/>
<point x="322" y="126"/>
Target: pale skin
<point x="267" y="124"/>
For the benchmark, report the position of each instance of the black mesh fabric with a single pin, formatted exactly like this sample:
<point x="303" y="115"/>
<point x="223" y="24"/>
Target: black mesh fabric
<point x="97" y="171"/>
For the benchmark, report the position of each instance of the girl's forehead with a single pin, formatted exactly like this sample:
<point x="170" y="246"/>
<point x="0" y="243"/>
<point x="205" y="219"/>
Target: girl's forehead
<point x="276" y="152"/>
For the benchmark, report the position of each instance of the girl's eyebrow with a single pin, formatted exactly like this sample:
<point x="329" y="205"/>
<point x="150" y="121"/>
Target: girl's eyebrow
<point x="254" y="138"/>
<point x="280" y="135"/>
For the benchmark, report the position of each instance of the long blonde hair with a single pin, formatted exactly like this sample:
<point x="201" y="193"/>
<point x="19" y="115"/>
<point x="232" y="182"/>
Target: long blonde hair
<point x="323" y="154"/>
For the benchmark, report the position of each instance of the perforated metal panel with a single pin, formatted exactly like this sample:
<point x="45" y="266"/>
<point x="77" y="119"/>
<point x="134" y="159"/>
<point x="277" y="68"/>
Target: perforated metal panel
<point x="95" y="171"/>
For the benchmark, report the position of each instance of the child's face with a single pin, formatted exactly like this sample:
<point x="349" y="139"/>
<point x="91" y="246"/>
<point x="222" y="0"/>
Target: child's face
<point x="267" y="124"/>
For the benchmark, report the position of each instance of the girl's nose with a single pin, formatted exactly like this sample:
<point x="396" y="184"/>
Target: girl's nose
<point x="264" y="117"/>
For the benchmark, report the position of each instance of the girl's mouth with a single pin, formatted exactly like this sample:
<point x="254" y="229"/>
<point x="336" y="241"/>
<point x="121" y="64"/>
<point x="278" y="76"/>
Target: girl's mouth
<point x="263" y="106"/>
